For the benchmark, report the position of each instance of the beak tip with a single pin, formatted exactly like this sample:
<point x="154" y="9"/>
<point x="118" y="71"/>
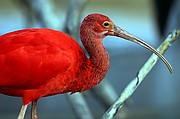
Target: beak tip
<point x="172" y="71"/>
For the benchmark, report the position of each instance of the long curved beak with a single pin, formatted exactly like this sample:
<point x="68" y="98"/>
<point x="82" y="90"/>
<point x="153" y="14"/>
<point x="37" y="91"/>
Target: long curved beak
<point x="124" y="34"/>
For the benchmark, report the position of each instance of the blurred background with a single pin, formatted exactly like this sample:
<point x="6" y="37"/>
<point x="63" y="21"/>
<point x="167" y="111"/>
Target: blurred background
<point x="152" y="20"/>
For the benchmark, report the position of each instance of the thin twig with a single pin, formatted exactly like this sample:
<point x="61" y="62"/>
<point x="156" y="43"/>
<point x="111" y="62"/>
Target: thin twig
<point x="131" y="87"/>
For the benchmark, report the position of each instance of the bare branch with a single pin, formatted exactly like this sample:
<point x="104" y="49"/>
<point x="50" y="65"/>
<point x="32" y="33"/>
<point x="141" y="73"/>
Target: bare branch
<point x="73" y="16"/>
<point x="79" y="106"/>
<point x="131" y="87"/>
<point x="105" y="93"/>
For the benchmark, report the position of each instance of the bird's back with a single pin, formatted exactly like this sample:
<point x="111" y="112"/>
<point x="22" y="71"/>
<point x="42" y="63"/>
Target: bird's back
<point x="29" y="58"/>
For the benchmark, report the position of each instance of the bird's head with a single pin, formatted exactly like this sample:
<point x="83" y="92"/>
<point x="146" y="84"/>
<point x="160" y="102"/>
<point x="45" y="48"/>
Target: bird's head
<point x="98" y="26"/>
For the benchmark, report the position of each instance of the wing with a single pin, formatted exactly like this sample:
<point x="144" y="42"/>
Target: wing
<point x="29" y="58"/>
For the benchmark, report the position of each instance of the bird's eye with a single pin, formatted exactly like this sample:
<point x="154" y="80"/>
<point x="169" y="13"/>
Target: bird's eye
<point x="106" y="24"/>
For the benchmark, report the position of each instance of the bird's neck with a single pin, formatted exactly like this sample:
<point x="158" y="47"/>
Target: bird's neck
<point x="98" y="55"/>
<point x="99" y="61"/>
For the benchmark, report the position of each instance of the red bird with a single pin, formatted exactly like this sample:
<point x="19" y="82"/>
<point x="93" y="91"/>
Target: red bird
<point x="39" y="62"/>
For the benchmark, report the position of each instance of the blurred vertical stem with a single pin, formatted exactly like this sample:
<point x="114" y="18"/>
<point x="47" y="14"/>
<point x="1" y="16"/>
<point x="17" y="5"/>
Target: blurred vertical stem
<point x="71" y="27"/>
<point x="73" y="16"/>
<point x="42" y="11"/>
<point x="105" y="93"/>
<point x="132" y="86"/>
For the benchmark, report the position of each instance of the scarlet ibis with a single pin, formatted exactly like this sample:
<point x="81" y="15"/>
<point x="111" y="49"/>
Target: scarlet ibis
<point x="40" y="62"/>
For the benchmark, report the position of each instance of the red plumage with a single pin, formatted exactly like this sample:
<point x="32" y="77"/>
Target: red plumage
<point x="39" y="62"/>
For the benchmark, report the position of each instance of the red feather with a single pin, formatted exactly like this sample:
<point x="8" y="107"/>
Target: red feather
<point x="33" y="58"/>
